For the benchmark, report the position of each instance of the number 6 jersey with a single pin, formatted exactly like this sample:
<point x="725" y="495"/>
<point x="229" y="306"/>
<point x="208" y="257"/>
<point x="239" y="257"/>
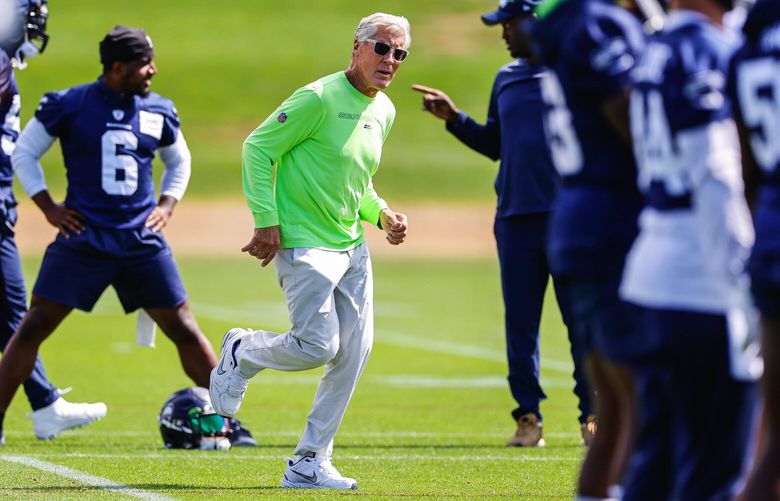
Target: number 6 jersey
<point x="108" y="143"/>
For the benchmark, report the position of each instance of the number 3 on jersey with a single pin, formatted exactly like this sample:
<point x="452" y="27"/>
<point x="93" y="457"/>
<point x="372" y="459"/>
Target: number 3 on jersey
<point x="561" y="137"/>
<point x="119" y="171"/>
<point x="758" y="86"/>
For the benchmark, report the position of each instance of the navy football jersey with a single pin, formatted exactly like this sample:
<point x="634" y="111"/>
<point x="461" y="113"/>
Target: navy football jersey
<point x="696" y="228"/>
<point x="108" y="142"/>
<point x="754" y="85"/>
<point x="10" y="104"/>
<point x="679" y="85"/>
<point x="590" y="47"/>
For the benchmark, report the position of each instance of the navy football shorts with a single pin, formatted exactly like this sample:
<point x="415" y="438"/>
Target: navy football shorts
<point x="764" y="264"/>
<point x="605" y="320"/>
<point x="686" y="395"/>
<point x="765" y="282"/>
<point x="137" y="262"/>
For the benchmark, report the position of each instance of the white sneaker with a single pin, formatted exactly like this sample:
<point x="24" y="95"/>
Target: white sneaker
<point x="308" y="472"/>
<point x="62" y="415"/>
<point x="226" y="385"/>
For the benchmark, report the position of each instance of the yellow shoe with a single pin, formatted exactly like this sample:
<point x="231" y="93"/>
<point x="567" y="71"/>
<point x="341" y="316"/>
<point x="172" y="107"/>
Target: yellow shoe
<point x="529" y="432"/>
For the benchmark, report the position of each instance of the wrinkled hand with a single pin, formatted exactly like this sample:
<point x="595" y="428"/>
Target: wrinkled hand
<point x="395" y="225"/>
<point x="264" y="244"/>
<point x="65" y="219"/>
<point x="437" y="102"/>
<point x="158" y="218"/>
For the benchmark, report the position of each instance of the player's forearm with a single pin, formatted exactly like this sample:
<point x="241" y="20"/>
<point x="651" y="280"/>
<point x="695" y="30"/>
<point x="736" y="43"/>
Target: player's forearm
<point x="44" y="201"/>
<point x="33" y="142"/>
<point x="484" y="139"/>
<point x="167" y="202"/>
<point x="178" y="168"/>
<point x="371" y="205"/>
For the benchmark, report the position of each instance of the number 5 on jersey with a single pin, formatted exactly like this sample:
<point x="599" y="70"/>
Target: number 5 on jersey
<point x="758" y="84"/>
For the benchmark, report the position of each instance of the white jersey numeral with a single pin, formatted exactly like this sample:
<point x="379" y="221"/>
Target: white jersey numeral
<point x="561" y="137"/>
<point x="119" y="172"/>
<point x="11" y="122"/>
<point x="761" y="110"/>
<point x="653" y="145"/>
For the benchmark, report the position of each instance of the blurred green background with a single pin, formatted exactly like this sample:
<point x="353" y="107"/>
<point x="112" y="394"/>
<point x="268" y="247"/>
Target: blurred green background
<point x="228" y="64"/>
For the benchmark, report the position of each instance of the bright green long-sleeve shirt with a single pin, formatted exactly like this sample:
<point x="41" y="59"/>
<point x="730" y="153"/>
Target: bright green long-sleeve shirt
<point x="308" y="166"/>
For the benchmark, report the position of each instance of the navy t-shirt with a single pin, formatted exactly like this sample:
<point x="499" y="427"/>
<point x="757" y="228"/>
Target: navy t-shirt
<point x="108" y="142"/>
<point x="514" y="132"/>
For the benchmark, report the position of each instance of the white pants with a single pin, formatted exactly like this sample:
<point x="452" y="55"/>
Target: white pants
<point x="330" y="297"/>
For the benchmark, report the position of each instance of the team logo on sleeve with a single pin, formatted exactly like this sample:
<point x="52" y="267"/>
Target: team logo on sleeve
<point x="282" y="117"/>
<point x="118" y="115"/>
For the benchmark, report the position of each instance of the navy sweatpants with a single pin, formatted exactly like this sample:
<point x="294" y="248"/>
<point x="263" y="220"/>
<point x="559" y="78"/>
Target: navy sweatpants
<point x="13" y="304"/>
<point x="524" y="276"/>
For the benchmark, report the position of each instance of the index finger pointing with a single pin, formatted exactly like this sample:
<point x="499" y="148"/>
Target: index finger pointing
<point x="424" y="89"/>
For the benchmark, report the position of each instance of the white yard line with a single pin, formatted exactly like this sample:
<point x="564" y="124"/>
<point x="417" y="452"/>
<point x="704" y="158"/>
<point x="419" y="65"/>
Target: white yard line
<point x="297" y="433"/>
<point x="279" y="310"/>
<point x="463" y="350"/>
<point x="227" y="456"/>
<point x="83" y="478"/>
<point x="411" y="381"/>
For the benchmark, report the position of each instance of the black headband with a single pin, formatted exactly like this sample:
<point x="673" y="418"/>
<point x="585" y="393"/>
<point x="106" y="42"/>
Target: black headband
<point x="125" y="44"/>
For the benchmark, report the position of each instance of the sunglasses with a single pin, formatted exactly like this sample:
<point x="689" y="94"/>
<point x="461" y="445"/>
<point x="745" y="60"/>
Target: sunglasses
<point x="382" y="49"/>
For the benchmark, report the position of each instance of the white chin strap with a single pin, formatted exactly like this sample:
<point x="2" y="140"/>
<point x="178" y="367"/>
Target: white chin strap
<point x="25" y="51"/>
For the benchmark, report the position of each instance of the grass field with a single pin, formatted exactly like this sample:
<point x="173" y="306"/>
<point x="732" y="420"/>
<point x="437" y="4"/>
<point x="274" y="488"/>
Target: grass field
<point x="431" y="414"/>
<point x="228" y="64"/>
<point x="428" y="420"/>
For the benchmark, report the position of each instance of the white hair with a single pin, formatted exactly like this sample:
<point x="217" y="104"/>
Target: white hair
<point x="369" y="25"/>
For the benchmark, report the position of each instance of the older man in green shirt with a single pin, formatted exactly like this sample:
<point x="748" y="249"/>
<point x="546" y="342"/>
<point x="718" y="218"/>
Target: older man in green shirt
<point x="307" y="173"/>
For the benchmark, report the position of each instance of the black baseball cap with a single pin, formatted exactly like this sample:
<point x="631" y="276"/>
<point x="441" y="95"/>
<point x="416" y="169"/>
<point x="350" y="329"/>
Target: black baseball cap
<point x="507" y="9"/>
<point x="125" y="44"/>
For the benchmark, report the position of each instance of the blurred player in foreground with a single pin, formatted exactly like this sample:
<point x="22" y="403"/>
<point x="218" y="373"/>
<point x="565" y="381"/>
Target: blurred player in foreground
<point x="590" y="47"/>
<point x="754" y="87"/>
<point x="22" y="36"/>
<point x="686" y="269"/>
